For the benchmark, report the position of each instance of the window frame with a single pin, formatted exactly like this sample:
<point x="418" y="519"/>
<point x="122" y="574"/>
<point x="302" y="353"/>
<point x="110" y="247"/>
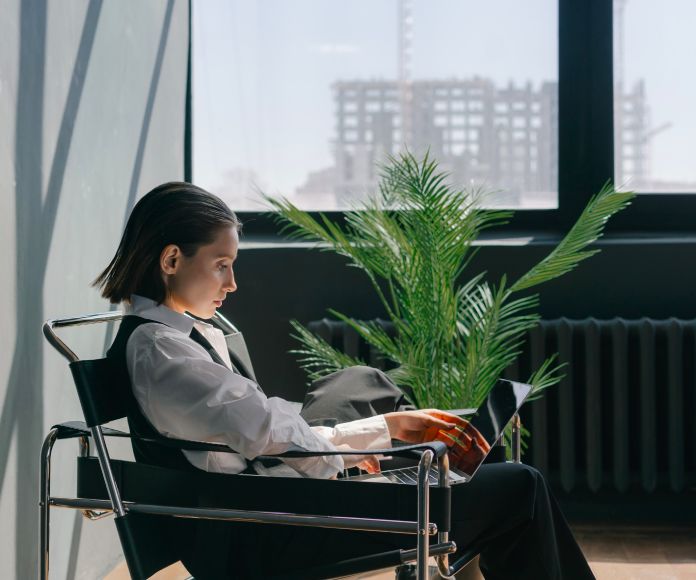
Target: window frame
<point x="585" y="138"/>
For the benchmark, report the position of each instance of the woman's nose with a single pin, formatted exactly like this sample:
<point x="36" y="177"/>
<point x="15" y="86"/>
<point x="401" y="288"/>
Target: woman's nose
<point x="230" y="283"/>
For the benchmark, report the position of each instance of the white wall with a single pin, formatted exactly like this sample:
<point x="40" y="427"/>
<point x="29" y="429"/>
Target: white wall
<point x="92" y="102"/>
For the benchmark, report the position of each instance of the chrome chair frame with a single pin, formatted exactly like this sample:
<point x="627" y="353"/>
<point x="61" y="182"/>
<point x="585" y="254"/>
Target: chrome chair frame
<point x="95" y="509"/>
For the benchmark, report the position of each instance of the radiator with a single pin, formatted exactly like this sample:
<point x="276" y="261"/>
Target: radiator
<point x="624" y="416"/>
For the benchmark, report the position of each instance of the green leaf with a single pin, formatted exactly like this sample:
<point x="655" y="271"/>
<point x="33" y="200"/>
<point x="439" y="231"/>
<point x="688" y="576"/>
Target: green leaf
<point x="318" y="358"/>
<point x="571" y="250"/>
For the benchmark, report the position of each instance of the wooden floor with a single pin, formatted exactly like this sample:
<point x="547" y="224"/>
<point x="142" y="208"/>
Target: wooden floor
<point x="614" y="554"/>
<point x="637" y="554"/>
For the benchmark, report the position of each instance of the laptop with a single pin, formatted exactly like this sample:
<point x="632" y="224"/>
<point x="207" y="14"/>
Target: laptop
<point x="490" y="419"/>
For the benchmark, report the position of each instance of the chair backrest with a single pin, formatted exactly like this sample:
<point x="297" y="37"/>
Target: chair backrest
<point x="105" y="395"/>
<point x="149" y="542"/>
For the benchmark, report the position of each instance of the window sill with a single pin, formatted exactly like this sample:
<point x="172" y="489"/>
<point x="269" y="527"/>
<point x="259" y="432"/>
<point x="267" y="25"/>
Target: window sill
<point x="511" y="239"/>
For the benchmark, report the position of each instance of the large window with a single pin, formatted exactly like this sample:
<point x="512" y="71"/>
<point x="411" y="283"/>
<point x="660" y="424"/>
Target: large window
<point x="305" y="98"/>
<point x="655" y="95"/>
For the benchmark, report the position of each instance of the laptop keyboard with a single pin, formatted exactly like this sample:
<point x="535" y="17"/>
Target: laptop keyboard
<point x="409" y="475"/>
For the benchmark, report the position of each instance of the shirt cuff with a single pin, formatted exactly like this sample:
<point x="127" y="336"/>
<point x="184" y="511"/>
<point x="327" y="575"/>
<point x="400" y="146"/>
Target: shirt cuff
<point x="368" y="433"/>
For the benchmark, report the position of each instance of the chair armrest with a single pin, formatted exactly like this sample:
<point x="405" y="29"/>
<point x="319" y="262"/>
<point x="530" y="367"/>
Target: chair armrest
<point x="72" y="429"/>
<point x="437" y="447"/>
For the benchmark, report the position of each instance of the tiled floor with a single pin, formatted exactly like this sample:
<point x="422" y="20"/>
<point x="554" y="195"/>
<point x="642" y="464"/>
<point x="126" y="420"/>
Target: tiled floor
<point x="614" y="554"/>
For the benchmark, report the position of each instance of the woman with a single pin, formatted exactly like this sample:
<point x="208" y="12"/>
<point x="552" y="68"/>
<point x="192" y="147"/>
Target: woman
<point x="176" y="256"/>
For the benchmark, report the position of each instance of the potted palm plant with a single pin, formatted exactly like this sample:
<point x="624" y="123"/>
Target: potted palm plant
<point x="454" y="335"/>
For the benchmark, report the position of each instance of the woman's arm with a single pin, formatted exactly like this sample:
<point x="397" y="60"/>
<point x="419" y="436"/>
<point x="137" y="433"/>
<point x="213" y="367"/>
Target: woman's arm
<point x="186" y="395"/>
<point x="377" y="432"/>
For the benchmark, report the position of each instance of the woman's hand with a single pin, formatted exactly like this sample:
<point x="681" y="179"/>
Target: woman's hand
<point x="410" y="426"/>
<point x="369" y="463"/>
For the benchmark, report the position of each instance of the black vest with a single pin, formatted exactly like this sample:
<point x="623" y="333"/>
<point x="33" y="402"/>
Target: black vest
<point x="145" y="452"/>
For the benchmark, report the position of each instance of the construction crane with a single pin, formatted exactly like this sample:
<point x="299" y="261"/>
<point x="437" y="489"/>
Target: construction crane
<point x="405" y="81"/>
<point x="619" y="13"/>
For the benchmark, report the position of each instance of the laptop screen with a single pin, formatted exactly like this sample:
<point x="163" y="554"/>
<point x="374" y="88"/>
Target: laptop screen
<point x="496" y="411"/>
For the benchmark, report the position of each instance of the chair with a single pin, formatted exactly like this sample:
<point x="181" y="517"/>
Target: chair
<point x="155" y="508"/>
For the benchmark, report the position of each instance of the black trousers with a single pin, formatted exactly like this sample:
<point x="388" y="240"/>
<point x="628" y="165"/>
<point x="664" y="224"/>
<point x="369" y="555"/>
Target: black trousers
<point x="506" y="510"/>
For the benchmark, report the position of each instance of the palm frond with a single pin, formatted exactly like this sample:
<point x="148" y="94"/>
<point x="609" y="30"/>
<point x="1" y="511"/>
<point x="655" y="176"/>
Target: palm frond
<point x="547" y="375"/>
<point x="571" y="250"/>
<point x="372" y="333"/>
<point x="318" y="357"/>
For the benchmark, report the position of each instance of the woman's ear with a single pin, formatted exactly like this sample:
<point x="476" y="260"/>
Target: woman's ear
<point x="170" y="259"/>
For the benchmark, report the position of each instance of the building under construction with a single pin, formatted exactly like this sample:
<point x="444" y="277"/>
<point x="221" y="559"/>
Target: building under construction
<point x="504" y="139"/>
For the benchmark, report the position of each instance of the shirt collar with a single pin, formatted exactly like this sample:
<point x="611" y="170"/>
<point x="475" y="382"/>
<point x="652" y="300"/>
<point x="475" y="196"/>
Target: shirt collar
<point x="149" y="309"/>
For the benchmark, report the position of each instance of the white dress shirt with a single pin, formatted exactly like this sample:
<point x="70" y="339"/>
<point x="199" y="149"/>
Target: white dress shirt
<point x="186" y="395"/>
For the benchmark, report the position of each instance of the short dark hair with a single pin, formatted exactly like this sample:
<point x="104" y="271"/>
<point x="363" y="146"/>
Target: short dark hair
<point x="173" y="213"/>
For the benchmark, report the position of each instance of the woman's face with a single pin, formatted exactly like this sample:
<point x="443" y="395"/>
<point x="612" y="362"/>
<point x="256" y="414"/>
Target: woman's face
<point x="200" y="283"/>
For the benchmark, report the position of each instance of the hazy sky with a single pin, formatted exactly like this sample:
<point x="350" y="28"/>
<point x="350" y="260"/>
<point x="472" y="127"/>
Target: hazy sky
<point x="264" y="68"/>
<point x="660" y="47"/>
